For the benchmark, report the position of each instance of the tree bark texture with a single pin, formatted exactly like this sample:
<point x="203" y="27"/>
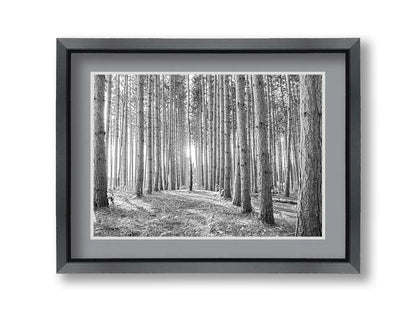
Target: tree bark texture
<point x="149" y="138"/>
<point x="265" y="198"/>
<point x="227" y="145"/>
<point x="140" y="137"/>
<point x="100" y="160"/>
<point x="157" y="135"/>
<point x="310" y="191"/>
<point x="244" y="153"/>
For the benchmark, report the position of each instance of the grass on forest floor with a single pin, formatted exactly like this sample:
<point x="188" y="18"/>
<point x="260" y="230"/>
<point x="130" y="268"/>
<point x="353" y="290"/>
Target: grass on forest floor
<point x="188" y="214"/>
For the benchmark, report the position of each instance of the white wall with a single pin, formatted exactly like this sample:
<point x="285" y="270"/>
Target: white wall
<point x="27" y="129"/>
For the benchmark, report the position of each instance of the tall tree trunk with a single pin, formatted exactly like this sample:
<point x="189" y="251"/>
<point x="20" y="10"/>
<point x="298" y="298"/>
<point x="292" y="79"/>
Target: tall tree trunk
<point x="107" y="125"/>
<point x="201" y="133"/>
<point x="214" y="131"/>
<point x="275" y="137"/>
<point x="249" y="143"/>
<point x="125" y="127"/>
<point x="234" y="137"/>
<point x="270" y="124"/>
<point x="189" y="138"/>
<point x="211" y="134"/>
<point x="280" y="141"/>
<point x="100" y="161"/>
<point x="310" y="191"/>
<point x="108" y="146"/>
<point x="222" y="153"/>
<point x="227" y="145"/>
<point x="163" y="135"/>
<point x="206" y="134"/>
<point x="217" y="134"/>
<point x="266" y="204"/>
<point x="288" y="138"/>
<point x="171" y="133"/>
<point x="254" y="138"/>
<point x="296" y="122"/>
<point x="244" y="153"/>
<point x="121" y="152"/>
<point x="149" y="139"/>
<point x="176" y="144"/>
<point x="157" y="135"/>
<point x="140" y="137"/>
<point x="116" y="139"/>
<point x="131" y="153"/>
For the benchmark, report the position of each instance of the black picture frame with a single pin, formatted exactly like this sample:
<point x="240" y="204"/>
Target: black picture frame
<point x="66" y="264"/>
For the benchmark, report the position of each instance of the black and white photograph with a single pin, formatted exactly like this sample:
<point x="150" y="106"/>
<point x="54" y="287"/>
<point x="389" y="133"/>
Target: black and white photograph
<point x="207" y="155"/>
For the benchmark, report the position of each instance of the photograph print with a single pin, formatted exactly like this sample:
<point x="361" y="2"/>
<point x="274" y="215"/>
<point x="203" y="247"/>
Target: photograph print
<point x="207" y="155"/>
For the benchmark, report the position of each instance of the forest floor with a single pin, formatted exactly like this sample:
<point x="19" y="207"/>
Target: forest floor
<point x="182" y="213"/>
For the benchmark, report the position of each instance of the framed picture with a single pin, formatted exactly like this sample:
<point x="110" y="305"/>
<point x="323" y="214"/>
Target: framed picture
<point x="208" y="155"/>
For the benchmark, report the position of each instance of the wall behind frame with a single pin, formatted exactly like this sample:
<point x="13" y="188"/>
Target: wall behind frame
<point x="29" y="29"/>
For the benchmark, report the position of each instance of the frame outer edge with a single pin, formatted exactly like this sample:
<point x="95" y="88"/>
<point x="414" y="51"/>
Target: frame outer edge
<point x="66" y="46"/>
<point x="178" y="267"/>
<point x="355" y="154"/>
<point x="222" y="45"/>
<point x="62" y="156"/>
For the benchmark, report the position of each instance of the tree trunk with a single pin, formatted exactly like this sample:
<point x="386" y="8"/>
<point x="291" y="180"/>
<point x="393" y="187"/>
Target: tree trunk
<point x="201" y="133"/>
<point x="266" y="204"/>
<point x="131" y="154"/>
<point x="140" y="137"/>
<point x="244" y="153"/>
<point x="107" y="125"/>
<point x="288" y="137"/>
<point x="280" y="141"/>
<point x="109" y="133"/>
<point x="214" y="133"/>
<point x="217" y="133"/>
<point x="211" y="135"/>
<point x="275" y="138"/>
<point x="125" y="127"/>
<point x="254" y="137"/>
<point x="248" y="120"/>
<point x="121" y="152"/>
<point x="234" y="135"/>
<point x="310" y="192"/>
<point x="206" y="134"/>
<point x="100" y="161"/>
<point x="116" y="139"/>
<point x="171" y="134"/>
<point x="157" y="135"/>
<point x="227" y="145"/>
<point x="221" y="162"/>
<point x="163" y="136"/>
<point x="270" y="125"/>
<point x="189" y="139"/>
<point x="149" y="139"/>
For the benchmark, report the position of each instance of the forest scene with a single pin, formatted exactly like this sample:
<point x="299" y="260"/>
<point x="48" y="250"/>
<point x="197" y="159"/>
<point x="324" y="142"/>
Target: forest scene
<point x="207" y="155"/>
